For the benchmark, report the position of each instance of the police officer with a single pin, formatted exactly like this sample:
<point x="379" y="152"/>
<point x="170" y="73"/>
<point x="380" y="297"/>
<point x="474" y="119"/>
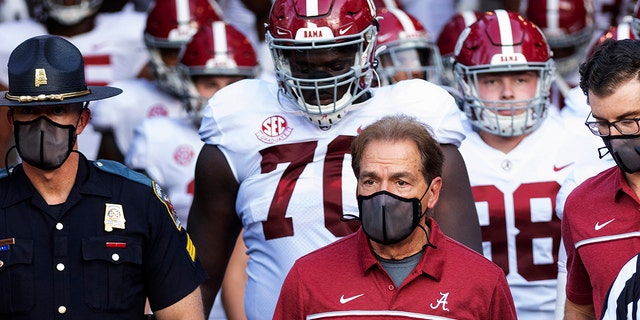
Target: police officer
<point x="81" y="239"/>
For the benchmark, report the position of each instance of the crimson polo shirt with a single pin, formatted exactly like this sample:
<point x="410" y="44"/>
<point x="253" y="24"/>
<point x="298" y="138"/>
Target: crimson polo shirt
<point x="601" y="232"/>
<point x="344" y="280"/>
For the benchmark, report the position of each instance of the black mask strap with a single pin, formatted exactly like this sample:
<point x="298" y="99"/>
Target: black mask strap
<point x="426" y="234"/>
<point x="6" y="159"/>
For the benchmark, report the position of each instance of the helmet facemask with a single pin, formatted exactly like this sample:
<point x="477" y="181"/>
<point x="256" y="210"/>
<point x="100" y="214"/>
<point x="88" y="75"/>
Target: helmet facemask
<point x="162" y="62"/>
<point x="409" y="60"/>
<point x="323" y="78"/>
<point x="569" y="50"/>
<point x="70" y="15"/>
<point x="505" y="117"/>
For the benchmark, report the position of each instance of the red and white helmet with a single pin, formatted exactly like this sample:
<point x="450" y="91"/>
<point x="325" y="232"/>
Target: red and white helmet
<point x="405" y="46"/>
<point x="70" y="14"/>
<point x="448" y="38"/>
<point x="298" y="29"/>
<point x="218" y="49"/>
<point x="568" y="25"/>
<point x="502" y="41"/>
<point x="170" y="26"/>
<point x="622" y="31"/>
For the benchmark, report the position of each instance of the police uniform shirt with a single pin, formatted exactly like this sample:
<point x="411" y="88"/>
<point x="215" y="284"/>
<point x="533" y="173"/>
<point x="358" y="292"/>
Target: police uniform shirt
<point x="115" y="241"/>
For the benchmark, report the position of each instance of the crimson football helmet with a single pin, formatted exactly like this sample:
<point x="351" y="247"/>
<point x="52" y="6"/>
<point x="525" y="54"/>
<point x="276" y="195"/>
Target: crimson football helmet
<point x="386" y="4"/>
<point x="170" y="26"/>
<point x="569" y="26"/>
<point x="405" y="49"/>
<point x="70" y="14"/>
<point x="218" y="49"/>
<point x="502" y="41"/>
<point x="449" y="36"/>
<point x="622" y="31"/>
<point x="323" y="54"/>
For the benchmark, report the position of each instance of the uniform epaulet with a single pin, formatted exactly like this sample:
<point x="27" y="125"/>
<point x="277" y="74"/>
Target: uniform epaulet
<point x="120" y="169"/>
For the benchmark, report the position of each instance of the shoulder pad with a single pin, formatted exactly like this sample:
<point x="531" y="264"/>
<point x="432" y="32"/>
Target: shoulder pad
<point x="120" y="169"/>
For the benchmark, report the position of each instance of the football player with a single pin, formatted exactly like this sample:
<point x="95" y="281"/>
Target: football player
<point x="569" y="26"/>
<point x="405" y="49"/>
<point x="276" y="155"/>
<point x="169" y="27"/>
<point x="517" y="157"/>
<point x="166" y="148"/>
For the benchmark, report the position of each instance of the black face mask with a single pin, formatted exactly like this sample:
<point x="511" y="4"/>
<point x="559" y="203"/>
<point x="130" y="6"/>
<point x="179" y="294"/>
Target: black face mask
<point x="625" y="151"/>
<point x="387" y="218"/>
<point x="43" y="143"/>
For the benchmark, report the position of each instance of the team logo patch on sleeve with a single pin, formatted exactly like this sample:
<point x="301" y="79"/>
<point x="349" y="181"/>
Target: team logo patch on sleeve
<point x="167" y="203"/>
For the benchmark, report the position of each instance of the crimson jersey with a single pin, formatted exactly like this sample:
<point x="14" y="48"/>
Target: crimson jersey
<point x="515" y="197"/>
<point x="344" y="280"/>
<point x="295" y="179"/>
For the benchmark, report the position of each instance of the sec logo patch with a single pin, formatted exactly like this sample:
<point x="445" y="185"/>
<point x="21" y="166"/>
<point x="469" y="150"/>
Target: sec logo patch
<point x="274" y="129"/>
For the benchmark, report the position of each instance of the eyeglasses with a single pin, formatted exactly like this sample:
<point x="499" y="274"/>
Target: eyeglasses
<point x="603" y="128"/>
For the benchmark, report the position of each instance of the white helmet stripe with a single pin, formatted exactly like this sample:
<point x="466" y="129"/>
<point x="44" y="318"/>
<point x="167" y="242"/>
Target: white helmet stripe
<point x="624" y="30"/>
<point x="312" y="8"/>
<point x="389" y="4"/>
<point x="553" y="14"/>
<point x="182" y="12"/>
<point x="469" y="17"/>
<point x="220" y="39"/>
<point x="404" y="20"/>
<point x="506" y="34"/>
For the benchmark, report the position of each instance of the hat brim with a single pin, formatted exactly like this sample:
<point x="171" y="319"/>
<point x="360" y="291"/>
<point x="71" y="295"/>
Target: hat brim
<point x="97" y="93"/>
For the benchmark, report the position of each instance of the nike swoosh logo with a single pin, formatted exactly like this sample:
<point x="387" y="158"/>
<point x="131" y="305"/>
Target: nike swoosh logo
<point x="384" y="37"/>
<point x="343" y="31"/>
<point x="600" y="226"/>
<point x="556" y="168"/>
<point x="344" y="300"/>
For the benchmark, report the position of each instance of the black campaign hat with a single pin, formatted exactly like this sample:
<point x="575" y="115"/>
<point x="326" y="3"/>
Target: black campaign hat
<point x="49" y="70"/>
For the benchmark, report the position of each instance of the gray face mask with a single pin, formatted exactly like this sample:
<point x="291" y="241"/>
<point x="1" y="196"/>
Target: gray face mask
<point x="43" y="143"/>
<point x="387" y="218"/>
<point x="625" y="151"/>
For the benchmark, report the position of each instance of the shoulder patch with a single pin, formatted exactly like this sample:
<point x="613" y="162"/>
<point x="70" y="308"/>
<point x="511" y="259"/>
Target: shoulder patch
<point x="164" y="198"/>
<point x="120" y="169"/>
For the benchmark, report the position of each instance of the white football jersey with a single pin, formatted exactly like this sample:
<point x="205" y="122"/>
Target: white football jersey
<point x="515" y="197"/>
<point x="139" y="100"/>
<point x="113" y="50"/>
<point x="295" y="179"/>
<point x="167" y="149"/>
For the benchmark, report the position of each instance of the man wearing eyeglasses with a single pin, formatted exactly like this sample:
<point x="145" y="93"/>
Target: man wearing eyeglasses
<point x="601" y="219"/>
